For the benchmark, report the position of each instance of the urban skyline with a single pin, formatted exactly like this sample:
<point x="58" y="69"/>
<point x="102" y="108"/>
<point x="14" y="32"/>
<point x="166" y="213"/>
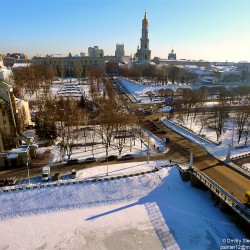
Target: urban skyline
<point x="208" y="30"/>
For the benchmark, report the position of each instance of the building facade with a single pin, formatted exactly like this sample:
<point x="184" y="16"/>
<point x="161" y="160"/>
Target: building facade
<point x="119" y="52"/>
<point x="95" y="52"/>
<point x="14" y="116"/>
<point x="68" y="63"/>
<point x="172" y="55"/>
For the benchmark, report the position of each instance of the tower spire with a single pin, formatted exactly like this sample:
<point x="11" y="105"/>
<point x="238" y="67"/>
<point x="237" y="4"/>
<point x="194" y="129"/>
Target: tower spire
<point x="143" y="53"/>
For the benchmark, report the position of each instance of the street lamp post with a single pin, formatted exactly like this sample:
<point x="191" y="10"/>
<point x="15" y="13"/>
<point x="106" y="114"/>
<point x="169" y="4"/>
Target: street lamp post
<point x="28" y="172"/>
<point x="107" y="159"/>
<point x="148" y="151"/>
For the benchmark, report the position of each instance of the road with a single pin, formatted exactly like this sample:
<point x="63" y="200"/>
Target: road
<point x="230" y="180"/>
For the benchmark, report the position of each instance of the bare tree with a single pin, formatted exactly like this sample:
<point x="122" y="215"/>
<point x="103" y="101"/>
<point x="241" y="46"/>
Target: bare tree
<point x="69" y="117"/>
<point x="242" y="117"/>
<point x="61" y="68"/>
<point x="78" y="69"/>
<point x="247" y="132"/>
<point x="218" y="118"/>
<point x="203" y="121"/>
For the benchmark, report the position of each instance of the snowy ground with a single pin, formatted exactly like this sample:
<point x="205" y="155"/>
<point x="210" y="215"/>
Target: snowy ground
<point x="152" y="211"/>
<point x="229" y="135"/>
<point x="137" y="147"/>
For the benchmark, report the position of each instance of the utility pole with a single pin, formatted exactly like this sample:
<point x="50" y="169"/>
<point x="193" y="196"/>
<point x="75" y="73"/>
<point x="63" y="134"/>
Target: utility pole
<point x="28" y="172"/>
<point x="107" y="159"/>
<point x="228" y="153"/>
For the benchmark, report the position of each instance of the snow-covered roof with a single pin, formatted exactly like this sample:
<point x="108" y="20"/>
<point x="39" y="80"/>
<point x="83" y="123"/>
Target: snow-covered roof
<point x="16" y="65"/>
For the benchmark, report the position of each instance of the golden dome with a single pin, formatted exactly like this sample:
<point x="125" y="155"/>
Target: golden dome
<point x="145" y="20"/>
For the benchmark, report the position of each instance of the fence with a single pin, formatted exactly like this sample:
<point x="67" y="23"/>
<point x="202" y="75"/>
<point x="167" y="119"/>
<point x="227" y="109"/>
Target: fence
<point x="229" y="199"/>
<point x="68" y="182"/>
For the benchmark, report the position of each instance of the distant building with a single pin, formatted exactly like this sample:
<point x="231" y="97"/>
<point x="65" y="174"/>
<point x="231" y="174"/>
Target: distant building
<point x="9" y="61"/>
<point x="10" y="58"/>
<point x="67" y="63"/>
<point x="119" y="52"/>
<point x="172" y="55"/>
<point x="17" y="55"/>
<point x="95" y="52"/>
<point x="160" y="61"/>
<point x="143" y="54"/>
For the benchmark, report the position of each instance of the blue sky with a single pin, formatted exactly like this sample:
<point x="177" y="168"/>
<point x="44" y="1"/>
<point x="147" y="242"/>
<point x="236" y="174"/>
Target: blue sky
<point x="214" y="30"/>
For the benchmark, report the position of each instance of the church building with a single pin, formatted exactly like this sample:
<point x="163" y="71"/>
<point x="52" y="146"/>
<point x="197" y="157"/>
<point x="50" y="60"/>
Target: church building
<point x="143" y="54"/>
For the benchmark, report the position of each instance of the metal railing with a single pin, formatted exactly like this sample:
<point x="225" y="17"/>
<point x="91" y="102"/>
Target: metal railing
<point x="228" y="198"/>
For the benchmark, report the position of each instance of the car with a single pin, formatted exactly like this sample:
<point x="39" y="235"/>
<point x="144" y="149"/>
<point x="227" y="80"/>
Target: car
<point x="2" y="182"/>
<point x="56" y="176"/>
<point x="112" y="158"/>
<point x="162" y="132"/>
<point x="73" y="173"/>
<point x="72" y="161"/>
<point x="11" y="181"/>
<point x="166" y="140"/>
<point x="102" y="159"/>
<point x="147" y="112"/>
<point x="154" y="128"/>
<point x="127" y="157"/>
<point x="90" y="160"/>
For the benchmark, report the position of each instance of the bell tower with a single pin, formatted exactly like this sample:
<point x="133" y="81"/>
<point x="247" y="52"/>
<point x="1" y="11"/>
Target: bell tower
<point x="143" y="53"/>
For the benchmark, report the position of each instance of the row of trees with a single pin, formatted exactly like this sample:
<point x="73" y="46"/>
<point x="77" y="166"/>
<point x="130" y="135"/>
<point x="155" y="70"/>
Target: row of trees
<point x="163" y="75"/>
<point x="32" y="79"/>
<point x="65" y="119"/>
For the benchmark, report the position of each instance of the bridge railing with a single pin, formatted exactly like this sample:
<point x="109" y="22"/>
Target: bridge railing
<point x="228" y="198"/>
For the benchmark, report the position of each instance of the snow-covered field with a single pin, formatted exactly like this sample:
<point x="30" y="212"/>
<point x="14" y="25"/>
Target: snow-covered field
<point x="152" y="211"/>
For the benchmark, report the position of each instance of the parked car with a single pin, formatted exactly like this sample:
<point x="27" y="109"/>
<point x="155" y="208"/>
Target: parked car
<point x="112" y="158"/>
<point x="11" y="181"/>
<point x="166" y="140"/>
<point x="56" y="176"/>
<point x="73" y="173"/>
<point x="154" y="128"/>
<point x="2" y="182"/>
<point x="147" y="112"/>
<point x="127" y="157"/>
<point x="162" y="132"/>
<point x="72" y="161"/>
<point x="102" y="159"/>
<point x="90" y="160"/>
